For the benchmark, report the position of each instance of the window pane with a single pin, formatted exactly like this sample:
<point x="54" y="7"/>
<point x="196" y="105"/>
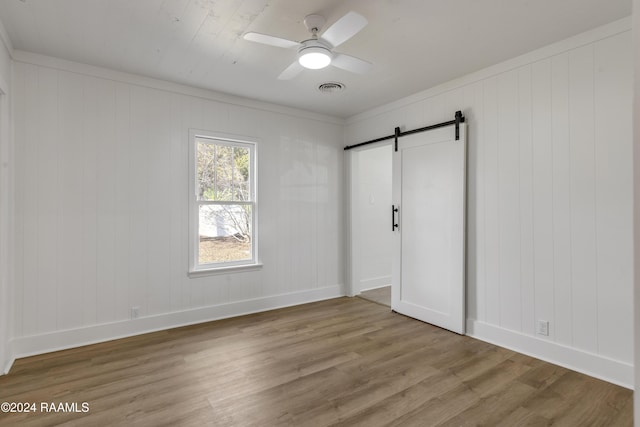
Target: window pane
<point x="241" y="163"/>
<point x="224" y="233"/>
<point x="223" y="172"/>
<point x="205" y="171"/>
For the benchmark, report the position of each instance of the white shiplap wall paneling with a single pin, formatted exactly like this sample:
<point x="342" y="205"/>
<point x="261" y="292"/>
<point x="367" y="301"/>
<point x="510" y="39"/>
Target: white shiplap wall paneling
<point x="123" y="196"/>
<point x="525" y="178"/>
<point x="561" y="201"/>
<point x="102" y="207"/>
<point x="192" y="118"/>
<point x="489" y="144"/>
<point x="28" y="186"/>
<point x="508" y="238"/>
<point x="613" y="172"/>
<point x="105" y="192"/>
<point x="139" y="171"/>
<point x="7" y="197"/>
<point x="542" y="193"/>
<point x="46" y="198"/>
<point x="582" y="198"/>
<point x="178" y="151"/>
<point x="70" y="107"/>
<point x="19" y="131"/>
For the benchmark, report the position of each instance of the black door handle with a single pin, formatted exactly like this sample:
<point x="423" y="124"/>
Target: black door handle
<point x="394" y="225"/>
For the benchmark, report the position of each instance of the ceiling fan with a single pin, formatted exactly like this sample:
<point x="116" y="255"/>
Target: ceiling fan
<point x="317" y="52"/>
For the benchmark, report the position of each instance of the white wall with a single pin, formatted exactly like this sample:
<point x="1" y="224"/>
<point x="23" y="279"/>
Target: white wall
<point x="550" y="197"/>
<point x="371" y="204"/>
<point x="6" y="205"/>
<point x="636" y="200"/>
<point x="101" y="201"/>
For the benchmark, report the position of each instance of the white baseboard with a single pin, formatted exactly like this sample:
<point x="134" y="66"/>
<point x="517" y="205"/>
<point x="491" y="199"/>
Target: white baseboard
<point x="7" y="366"/>
<point x="11" y="358"/>
<point x="60" y="340"/>
<point x="604" y="368"/>
<point x="374" y="283"/>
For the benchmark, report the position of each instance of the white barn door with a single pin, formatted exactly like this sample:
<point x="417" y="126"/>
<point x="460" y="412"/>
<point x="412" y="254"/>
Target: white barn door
<point x="429" y="176"/>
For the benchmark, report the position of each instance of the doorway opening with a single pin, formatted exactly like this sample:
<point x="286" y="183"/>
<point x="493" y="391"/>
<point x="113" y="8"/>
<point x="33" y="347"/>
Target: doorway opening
<point x="426" y="222"/>
<point x="371" y="251"/>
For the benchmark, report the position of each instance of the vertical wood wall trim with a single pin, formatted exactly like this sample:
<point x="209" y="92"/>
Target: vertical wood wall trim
<point x="7" y="210"/>
<point x="636" y="204"/>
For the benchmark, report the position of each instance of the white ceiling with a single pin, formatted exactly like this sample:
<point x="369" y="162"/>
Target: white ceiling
<point x="413" y="44"/>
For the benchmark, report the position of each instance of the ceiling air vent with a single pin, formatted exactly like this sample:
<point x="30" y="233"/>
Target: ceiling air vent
<point x="331" y="87"/>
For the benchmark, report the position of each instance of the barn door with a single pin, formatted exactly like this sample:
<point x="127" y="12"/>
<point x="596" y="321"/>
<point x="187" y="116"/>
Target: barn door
<point x="429" y="175"/>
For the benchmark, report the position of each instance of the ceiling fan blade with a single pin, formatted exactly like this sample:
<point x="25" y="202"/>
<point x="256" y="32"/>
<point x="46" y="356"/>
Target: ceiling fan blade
<point x="351" y="63"/>
<point x="270" y="40"/>
<point x="291" y="71"/>
<point x="345" y="28"/>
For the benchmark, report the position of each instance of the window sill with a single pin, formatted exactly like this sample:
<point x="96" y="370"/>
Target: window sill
<point x="224" y="270"/>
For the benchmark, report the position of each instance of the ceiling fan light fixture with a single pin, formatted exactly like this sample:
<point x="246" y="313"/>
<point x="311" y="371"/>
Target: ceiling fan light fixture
<point x="317" y="52"/>
<point x="314" y="57"/>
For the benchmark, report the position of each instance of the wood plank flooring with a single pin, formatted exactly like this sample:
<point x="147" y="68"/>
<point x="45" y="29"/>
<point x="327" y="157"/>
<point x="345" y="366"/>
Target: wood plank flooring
<point x="343" y="362"/>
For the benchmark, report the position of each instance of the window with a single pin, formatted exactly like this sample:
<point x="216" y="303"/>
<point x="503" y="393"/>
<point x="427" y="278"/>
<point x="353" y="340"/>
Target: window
<point x="222" y="201"/>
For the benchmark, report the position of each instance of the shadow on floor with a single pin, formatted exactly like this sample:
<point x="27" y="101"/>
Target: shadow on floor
<point x="379" y="295"/>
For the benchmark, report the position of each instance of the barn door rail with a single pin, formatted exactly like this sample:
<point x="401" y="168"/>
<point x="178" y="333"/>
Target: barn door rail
<point x="459" y="118"/>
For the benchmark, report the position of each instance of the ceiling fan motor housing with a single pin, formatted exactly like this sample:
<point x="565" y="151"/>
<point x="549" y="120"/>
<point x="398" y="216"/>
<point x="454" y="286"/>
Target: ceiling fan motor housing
<point x="314" y="22"/>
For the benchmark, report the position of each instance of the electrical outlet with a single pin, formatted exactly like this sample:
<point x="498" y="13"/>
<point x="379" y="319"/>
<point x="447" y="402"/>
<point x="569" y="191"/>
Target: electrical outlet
<point x="135" y="312"/>
<point x="542" y="328"/>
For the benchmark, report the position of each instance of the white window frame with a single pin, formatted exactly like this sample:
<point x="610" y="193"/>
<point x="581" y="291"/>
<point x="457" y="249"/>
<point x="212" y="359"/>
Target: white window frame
<point x="196" y="269"/>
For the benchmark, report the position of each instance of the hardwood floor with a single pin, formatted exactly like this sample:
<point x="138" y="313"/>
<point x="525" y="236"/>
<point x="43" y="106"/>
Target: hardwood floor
<point x="344" y="362"/>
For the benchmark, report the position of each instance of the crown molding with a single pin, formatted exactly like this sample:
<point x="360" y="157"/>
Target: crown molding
<point x="153" y="83"/>
<point x="582" y="39"/>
